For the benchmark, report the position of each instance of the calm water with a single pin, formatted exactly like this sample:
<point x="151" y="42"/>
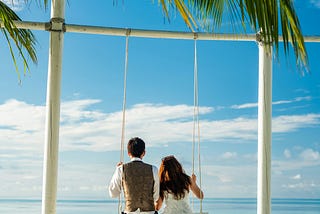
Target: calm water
<point x="216" y="206"/>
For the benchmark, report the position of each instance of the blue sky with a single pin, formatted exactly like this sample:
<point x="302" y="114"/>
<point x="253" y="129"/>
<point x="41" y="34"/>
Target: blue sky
<point x="159" y="106"/>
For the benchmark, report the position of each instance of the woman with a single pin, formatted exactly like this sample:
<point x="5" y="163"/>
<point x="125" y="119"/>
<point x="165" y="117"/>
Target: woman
<point x="175" y="185"/>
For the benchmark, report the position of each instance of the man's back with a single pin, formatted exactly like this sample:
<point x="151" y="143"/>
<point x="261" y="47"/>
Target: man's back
<point x="138" y="183"/>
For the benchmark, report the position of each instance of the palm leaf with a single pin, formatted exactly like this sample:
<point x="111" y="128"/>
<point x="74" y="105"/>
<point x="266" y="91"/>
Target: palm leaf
<point x="183" y="10"/>
<point x="23" y="39"/>
<point x="265" y="12"/>
<point x="262" y="15"/>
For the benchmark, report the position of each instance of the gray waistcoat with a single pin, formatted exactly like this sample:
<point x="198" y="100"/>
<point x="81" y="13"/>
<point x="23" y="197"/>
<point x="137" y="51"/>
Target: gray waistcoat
<point x="138" y="186"/>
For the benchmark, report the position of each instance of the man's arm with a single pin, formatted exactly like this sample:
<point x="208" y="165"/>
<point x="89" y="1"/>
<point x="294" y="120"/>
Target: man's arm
<point x="156" y="186"/>
<point x="115" y="183"/>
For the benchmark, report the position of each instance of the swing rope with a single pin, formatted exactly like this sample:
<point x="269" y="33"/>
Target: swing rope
<point x="196" y="122"/>
<point x="195" y="105"/>
<point x="124" y="102"/>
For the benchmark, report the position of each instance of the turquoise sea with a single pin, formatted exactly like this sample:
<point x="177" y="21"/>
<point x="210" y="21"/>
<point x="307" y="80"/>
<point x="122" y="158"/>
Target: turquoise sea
<point x="211" y="205"/>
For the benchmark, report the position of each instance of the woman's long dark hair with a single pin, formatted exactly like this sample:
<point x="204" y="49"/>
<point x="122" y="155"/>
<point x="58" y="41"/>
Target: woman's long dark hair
<point x="172" y="177"/>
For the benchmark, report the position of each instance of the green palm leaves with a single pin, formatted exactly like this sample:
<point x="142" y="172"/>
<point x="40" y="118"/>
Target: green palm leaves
<point x="267" y="16"/>
<point x="271" y="16"/>
<point x="183" y="10"/>
<point x="23" y="39"/>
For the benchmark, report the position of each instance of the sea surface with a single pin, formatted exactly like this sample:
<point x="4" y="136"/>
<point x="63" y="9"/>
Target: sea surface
<point x="211" y="205"/>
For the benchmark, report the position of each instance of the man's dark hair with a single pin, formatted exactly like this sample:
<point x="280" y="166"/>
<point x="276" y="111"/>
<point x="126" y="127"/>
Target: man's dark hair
<point x="136" y="147"/>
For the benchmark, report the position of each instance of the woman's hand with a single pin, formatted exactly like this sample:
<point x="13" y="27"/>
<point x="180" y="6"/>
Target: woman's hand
<point x="158" y="204"/>
<point x="194" y="178"/>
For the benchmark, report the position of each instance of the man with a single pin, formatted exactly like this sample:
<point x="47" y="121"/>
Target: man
<point x="140" y="181"/>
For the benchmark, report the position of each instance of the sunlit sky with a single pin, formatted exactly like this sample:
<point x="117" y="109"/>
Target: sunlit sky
<point x="159" y="106"/>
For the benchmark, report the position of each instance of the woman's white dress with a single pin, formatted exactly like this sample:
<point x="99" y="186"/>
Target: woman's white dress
<point x="173" y="206"/>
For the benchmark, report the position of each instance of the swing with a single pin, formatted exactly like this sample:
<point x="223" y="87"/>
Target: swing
<point x="124" y="102"/>
<point x="196" y="124"/>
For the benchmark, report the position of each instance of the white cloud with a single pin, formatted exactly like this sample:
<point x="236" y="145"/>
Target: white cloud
<point x="230" y="181"/>
<point x="254" y="105"/>
<point x="85" y="128"/>
<point x="15" y="5"/>
<point x="300" y="185"/>
<point x="289" y="123"/>
<point x="250" y="157"/>
<point x="21" y="126"/>
<point x="306" y="98"/>
<point x="229" y="155"/>
<point x="300" y="90"/>
<point x="310" y="155"/>
<point x="287" y="153"/>
<point x="293" y="164"/>
<point x="296" y="177"/>
<point x="246" y="105"/>
<point x="75" y="111"/>
<point x="225" y="178"/>
<point x="316" y="3"/>
<point x="18" y="115"/>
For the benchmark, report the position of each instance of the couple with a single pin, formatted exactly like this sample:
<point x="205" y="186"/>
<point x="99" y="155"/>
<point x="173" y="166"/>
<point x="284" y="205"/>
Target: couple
<point x="145" y="189"/>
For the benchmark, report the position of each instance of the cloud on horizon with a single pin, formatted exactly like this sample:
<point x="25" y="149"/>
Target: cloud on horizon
<point x="254" y="105"/>
<point x="16" y="5"/>
<point x="316" y="3"/>
<point x="85" y="128"/>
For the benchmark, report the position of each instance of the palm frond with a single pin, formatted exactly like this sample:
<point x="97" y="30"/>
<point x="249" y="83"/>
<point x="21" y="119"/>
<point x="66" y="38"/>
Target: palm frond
<point x="291" y="31"/>
<point x="270" y="17"/>
<point x="212" y="12"/>
<point x="264" y="16"/>
<point x="182" y="9"/>
<point x="44" y="2"/>
<point x="23" y="39"/>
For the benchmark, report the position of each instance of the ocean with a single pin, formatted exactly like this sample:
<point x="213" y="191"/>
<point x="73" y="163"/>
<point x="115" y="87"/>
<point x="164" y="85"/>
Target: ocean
<point x="210" y="205"/>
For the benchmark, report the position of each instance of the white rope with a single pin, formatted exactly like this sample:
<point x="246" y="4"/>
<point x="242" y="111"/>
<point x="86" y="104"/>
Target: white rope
<point x="124" y="102"/>
<point x="195" y="103"/>
<point x="196" y="122"/>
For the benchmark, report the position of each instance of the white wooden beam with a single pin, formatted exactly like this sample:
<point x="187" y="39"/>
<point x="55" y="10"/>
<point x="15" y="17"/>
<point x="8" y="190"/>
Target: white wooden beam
<point x="111" y="31"/>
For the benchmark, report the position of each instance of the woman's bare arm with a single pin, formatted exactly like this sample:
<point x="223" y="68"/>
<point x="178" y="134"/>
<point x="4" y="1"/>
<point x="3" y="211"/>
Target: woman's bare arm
<point x="195" y="188"/>
<point x="158" y="203"/>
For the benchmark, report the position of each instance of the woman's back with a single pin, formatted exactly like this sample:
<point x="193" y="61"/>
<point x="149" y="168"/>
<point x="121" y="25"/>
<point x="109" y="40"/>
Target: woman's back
<point x="174" y="187"/>
<point x="174" y="206"/>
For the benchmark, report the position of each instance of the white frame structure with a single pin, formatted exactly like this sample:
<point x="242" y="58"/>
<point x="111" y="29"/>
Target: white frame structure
<point x="57" y="28"/>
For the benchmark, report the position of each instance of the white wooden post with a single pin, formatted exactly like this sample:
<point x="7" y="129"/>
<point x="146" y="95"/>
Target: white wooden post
<point x="264" y="130"/>
<point x="51" y="148"/>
